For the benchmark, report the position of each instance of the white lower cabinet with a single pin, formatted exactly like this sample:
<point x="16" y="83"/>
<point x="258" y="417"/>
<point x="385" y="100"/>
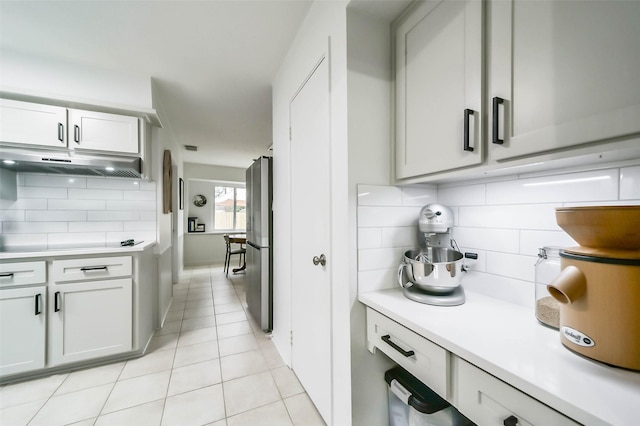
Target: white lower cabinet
<point x="23" y="313"/>
<point x="487" y="400"/>
<point x="91" y="308"/>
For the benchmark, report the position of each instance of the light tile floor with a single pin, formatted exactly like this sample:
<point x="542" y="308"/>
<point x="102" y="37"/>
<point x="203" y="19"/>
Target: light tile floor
<point x="209" y="365"/>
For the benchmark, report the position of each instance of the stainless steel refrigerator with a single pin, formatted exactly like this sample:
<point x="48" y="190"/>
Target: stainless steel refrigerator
<point x="259" y="275"/>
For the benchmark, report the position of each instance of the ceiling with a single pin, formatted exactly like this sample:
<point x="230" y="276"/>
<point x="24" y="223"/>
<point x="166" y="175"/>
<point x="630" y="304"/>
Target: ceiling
<point x="212" y="61"/>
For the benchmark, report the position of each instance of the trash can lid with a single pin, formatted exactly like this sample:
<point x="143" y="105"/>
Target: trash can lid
<point x="422" y="397"/>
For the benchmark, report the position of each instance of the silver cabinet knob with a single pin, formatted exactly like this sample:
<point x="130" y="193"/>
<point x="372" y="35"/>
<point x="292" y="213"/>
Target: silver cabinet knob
<point x="322" y="260"/>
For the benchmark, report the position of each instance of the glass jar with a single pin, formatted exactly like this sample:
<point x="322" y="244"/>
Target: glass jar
<point x="547" y="269"/>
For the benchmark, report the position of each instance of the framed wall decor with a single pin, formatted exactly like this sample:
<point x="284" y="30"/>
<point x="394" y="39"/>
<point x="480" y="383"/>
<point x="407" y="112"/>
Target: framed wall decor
<point x="181" y="193"/>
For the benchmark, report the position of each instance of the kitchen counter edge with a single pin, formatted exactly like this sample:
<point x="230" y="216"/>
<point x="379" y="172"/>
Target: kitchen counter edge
<point x="88" y="251"/>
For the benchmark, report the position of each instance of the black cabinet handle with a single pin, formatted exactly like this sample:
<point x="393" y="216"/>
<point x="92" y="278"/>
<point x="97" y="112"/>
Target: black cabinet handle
<point x="76" y="133"/>
<point x="38" y="304"/>
<point x="510" y="421"/>
<point x="467" y="113"/>
<point x="7" y="275"/>
<point x="61" y="132"/>
<point x="387" y="339"/>
<point x="496" y="123"/>
<point x="56" y="302"/>
<point x="93" y="268"/>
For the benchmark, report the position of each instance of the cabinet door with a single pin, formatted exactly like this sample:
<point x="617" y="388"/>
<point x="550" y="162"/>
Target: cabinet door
<point x="438" y="78"/>
<point x="90" y="320"/>
<point x="567" y="71"/>
<point x="23" y="315"/>
<point x="103" y="132"/>
<point x="32" y="124"/>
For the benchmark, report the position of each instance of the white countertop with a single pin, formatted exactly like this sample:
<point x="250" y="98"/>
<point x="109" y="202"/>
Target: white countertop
<point x="507" y="341"/>
<point x="32" y="252"/>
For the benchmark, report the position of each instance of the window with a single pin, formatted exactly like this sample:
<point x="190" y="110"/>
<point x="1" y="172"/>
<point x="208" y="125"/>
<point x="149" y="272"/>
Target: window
<point x="230" y="208"/>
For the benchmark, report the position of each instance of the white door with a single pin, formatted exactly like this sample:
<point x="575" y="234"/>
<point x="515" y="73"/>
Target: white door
<point x="311" y="226"/>
<point x="23" y="314"/>
<point x="90" y="320"/>
<point x="33" y="124"/>
<point x="103" y="132"/>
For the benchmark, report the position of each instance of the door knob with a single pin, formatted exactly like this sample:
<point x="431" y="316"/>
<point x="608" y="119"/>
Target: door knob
<point x="322" y="260"/>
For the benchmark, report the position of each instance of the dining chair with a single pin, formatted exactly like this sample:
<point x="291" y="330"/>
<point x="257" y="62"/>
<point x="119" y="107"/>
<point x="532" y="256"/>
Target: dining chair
<point x="241" y="252"/>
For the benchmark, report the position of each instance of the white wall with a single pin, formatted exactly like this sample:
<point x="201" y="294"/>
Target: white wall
<point x="54" y="210"/>
<point x="322" y="33"/>
<point x="504" y="221"/>
<point x="369" y="91"/>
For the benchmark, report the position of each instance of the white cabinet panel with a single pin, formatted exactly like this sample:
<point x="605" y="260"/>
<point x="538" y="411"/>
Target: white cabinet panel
<point x="104" y="132"/>
<point x="567" y="71"/>
<point x="438" y="79"/>
<point x="23" y="313"/>
<point x="95" y="268"/>
<point x="22" y="273"/>
<point x="422" y="358"/>
<point x="488" y="401"/>
<point x="33" y="124"/>
<point x="90" y="320"/>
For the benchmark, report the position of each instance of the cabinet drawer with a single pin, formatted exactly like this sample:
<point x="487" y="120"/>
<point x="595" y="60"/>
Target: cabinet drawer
<point x="422" y="358"/>
<point x="91" y="268"/>
<point x="22" y="273"/>
<point x="487" y="400"/>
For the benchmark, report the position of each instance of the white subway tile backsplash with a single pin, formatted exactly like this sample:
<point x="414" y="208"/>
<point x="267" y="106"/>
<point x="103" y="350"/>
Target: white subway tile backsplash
<point x="419" y="196"/>
<point x="106" y="183"/>
<point x="369" y="238"/>
<point x="378" y="279"/>
<point x="586" y="186"/>
<point x="23" y="204"/>
<point x="12" y="215"/>
<point x="56" y="216"/>
<point x="67" y="210"/>
<point x="103" y="215"/>
<point x="400" y="236"/>
<point x="33" y="227"/>
<point x="511" y="265"/>
<point x="130" y="205"/>
<point x="531" y="241"/>
<point x="95" y="194"/>
<point x="72" y="238"/>
<point x="369" y="216"/>
<point x="471" y="195"/>
<point x="50" y="181"/>
<point x="139" y="226"/>
<point x="95" y="226"/>
<point x="23" y="240"/>
<point x="630" y="183"/>
<point x="76" y="204"/>
<point x="375" y="195"/>
<point x="504" y="240"/>
<point x="521" y="216"/>
<point x="38" y="192"/>
<point x="370" y="259"/>
<point x="504" y="220"/>
<point x="139" y="195"/>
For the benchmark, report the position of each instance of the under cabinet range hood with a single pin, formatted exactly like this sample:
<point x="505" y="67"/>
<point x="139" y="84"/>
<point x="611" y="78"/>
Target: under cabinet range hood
<point x="69" y="163"/>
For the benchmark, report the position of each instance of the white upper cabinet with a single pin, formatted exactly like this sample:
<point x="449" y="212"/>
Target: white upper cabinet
<point x="568" y="72"/>
<point x="33" y="124"/>
<point x="104" y="132"/>
<point x="39" y="125"/>
<point x="438" y="71"/>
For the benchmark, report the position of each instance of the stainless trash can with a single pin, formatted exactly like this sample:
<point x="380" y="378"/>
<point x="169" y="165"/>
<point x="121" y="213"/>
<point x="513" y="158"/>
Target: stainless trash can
<point x="412" y="403"/>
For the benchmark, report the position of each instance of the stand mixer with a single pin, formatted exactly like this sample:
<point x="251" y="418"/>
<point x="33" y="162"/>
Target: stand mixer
<point x="432" y="274"/>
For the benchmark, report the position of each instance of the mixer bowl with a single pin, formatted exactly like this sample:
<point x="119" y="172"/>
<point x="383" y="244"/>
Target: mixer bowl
<point x="608" y="227"/>
<point x="435" y="270"/>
